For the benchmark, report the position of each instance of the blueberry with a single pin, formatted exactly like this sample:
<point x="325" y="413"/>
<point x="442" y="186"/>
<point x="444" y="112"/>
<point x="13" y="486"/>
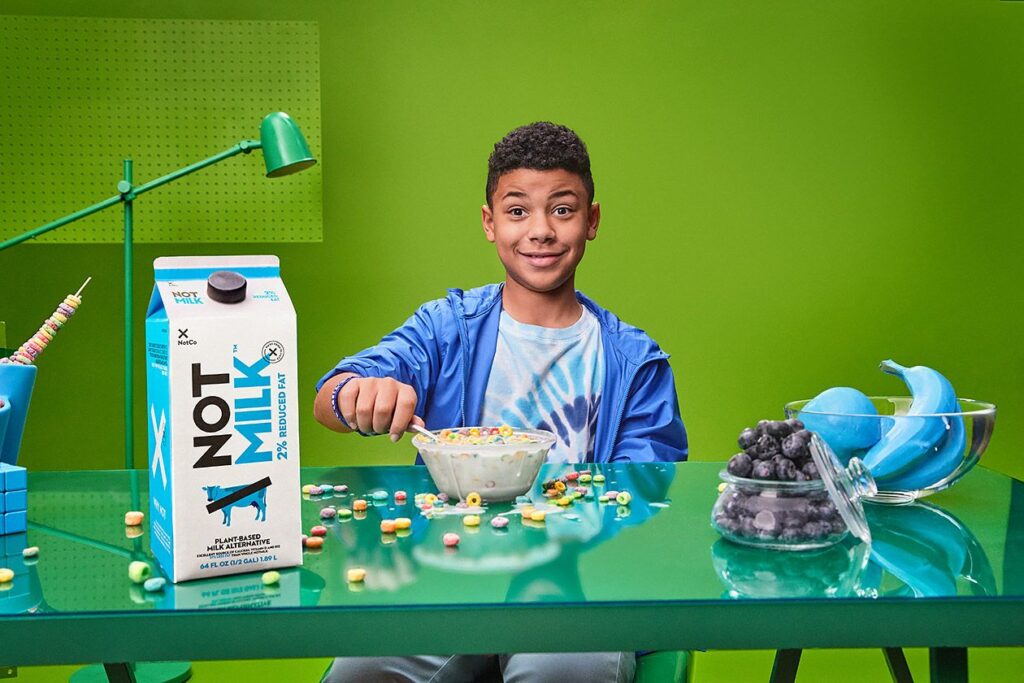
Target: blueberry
<point x="740" y="465"/>
<point x="748" y="437"/>
<point x="790" y="534"/>
<point x="763" y="469"/>
<point x="796" y="518"/>
<point x="838" y="526"/>
<point x="796" y="447"/>
<point x="767" y="446"/>
<point x="800" y="476"/>
<point x="762" y="426"/>
<point x="828" y="511"/>
<point x="795" y="425"/>
<point x="728" y="524"/>
<point x="747" y="527"/>
<point x="817" y="529"/>
<point x="778" y="429"/>
<point x="811" y="470"/>
<point x="785" y="470"/>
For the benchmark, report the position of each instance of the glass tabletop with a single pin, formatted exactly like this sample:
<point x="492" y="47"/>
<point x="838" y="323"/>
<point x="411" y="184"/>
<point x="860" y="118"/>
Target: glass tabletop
<point x="658" y="548"/>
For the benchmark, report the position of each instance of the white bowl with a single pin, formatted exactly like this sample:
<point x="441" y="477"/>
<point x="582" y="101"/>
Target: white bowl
<point x="498" y="472"/>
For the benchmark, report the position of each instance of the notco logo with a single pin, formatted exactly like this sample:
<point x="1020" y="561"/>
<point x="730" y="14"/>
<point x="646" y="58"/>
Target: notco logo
<point x="184" y="340"/>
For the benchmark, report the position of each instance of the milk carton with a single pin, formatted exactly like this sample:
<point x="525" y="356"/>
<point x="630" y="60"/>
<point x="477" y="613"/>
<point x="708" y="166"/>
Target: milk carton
<point x="223" y="423"/>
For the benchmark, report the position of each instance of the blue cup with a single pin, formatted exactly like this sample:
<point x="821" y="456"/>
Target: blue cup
<point x="16" y="383"/>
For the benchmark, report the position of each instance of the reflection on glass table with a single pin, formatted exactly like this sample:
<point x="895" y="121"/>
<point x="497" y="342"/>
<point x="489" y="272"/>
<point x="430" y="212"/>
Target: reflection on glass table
<point x="924" y="550"/>
<point x="749" y="572"/>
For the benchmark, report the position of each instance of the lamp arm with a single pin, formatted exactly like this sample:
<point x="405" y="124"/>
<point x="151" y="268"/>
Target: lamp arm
<point x="243" y="147"/>
<point x="60" y="221"/>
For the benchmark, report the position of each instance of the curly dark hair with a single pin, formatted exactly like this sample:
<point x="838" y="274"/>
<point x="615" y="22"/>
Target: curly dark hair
<point x="540" y="146"/>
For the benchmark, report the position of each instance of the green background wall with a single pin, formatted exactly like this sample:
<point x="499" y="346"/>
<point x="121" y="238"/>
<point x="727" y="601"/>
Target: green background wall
<point x="791" y="192"/>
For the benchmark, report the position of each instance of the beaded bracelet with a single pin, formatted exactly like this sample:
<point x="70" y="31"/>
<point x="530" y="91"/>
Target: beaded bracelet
<point x="337" y="411"/>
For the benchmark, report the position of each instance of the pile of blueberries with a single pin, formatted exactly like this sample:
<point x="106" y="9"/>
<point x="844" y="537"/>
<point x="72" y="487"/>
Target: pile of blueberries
<point x="775" y="451"/>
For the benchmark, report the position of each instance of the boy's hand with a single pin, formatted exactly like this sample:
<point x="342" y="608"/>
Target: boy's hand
<point x="378" y="406"/>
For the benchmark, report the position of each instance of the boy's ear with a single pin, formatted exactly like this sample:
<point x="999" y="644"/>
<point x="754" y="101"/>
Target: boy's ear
<point x="487" y="218"/>
<point x="593" y="220"/>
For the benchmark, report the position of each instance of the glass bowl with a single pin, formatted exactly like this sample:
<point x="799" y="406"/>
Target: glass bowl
<point x="498" y="472"/>
<point x="913" y="455"/>
<point x="780" y="515"/>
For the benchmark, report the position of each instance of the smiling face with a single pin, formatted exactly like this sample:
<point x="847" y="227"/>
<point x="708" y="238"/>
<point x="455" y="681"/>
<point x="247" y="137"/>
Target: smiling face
<point x="540" y="223"/>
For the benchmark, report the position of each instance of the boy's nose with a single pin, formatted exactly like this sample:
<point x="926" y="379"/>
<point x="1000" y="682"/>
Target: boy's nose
<point x="540" y="229"/>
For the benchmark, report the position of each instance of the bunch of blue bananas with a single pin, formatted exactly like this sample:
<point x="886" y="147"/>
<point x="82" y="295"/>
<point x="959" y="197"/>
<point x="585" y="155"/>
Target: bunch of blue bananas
<point x="903" y="453"/>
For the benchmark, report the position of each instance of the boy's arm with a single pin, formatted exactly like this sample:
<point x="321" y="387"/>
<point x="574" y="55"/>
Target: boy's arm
<point x="411" y="356"/>
<point x="651" y="429"/>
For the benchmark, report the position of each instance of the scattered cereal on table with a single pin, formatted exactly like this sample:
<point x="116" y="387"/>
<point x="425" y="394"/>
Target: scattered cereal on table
<point x="499" y="522"/>
<point x="537" y="516"/>
<point x="355" y="575"/>
<point x="139" y="571"/>
<point x="599" y="478"/>
<point x="403" y="523"/>
<point x="344" y="513"/>
<point x="380" y="495"/>
<point x="387" y="526"/>
<point x="6" y="575"/>
<point x="328" y="513"/>
<point x="450" y="540"/>
<point x="306" y="489"/>
<point x="133" y="518"/>
<point x="341" y="488"/>
<point x="400" y="496"/>
<point x="473" y="499"/>
<point x="270" y="578"/>
<point x="314" y="542"/>
<point x="315" y="491"/>
<point x="154" y="584"/>
<point x="471" y="520"/>
<point x="31" y="551"/>
<point x="359" y="505"/>
<point x="623" y="498"/>
<point x="318" y="530"/>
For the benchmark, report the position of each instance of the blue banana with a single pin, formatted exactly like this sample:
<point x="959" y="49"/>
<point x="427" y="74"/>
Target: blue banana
<point x="915" y="435"/>
<point x="941" y="462"/>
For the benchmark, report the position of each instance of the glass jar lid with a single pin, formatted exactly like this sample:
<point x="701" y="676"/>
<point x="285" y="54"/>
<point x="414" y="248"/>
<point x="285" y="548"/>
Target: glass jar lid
<point x="845" y="486"/>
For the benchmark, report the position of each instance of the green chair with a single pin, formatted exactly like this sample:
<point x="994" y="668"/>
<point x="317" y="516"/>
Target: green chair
<point x="665" y="667"/>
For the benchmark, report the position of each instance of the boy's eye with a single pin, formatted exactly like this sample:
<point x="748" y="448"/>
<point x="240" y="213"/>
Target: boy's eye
<point x="563" y="210"/>
<point x="517" y="211"/>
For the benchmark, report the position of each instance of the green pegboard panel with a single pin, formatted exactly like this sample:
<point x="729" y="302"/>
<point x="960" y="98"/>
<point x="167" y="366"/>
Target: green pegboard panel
<point x="82" y="94"/>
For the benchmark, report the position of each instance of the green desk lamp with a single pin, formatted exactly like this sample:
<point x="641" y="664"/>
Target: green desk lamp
<point x="284" y="151"/>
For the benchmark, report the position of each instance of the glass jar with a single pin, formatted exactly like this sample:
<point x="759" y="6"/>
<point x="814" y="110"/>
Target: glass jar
<point x="795" y="515"/>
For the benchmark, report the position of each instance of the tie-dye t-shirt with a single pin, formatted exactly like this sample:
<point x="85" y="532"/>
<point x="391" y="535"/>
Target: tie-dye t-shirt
<point x="548" y="378"/>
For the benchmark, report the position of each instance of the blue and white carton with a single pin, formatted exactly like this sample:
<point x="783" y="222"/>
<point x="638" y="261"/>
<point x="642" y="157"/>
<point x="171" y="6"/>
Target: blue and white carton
<point x="221" y="381"/>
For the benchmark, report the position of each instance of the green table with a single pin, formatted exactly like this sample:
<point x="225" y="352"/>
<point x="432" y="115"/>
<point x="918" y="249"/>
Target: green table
<point x="651" y="576"/>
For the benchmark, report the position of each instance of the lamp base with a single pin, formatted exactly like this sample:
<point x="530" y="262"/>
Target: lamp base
<point x="143" y="672"/>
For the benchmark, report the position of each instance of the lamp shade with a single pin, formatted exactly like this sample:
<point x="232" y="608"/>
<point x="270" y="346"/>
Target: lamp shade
<point x="284" y="149"/>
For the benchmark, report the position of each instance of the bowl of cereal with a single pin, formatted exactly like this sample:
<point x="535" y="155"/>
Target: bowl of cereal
<point x="499" y="463"/>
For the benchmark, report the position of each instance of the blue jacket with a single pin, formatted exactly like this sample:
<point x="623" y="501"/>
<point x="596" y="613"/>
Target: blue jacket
<point x="445" y="350"/>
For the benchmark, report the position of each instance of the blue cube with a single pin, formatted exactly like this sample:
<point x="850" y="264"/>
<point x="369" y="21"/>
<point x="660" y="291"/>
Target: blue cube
<point x="15" y="501"/>
<point x="14" y="477"/>
<point x="15" y="522"/>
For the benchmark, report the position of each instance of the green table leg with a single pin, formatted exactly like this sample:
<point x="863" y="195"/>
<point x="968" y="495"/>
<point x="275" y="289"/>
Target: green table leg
<point x="785" y="666"/>
<point x="948" y="664"/>
<point x="142" y="672"/>
<point x="897" y="663"/>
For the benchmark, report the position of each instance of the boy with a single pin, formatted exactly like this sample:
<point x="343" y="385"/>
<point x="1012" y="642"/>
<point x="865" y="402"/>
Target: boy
<point x="531" y="352"/>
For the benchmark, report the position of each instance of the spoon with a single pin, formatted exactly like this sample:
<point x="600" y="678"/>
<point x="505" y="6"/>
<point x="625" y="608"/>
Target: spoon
<point x="425" y="432"/>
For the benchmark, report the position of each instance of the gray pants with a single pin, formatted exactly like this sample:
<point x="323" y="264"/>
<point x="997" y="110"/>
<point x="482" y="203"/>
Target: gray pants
<point x="591" y="667"/>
